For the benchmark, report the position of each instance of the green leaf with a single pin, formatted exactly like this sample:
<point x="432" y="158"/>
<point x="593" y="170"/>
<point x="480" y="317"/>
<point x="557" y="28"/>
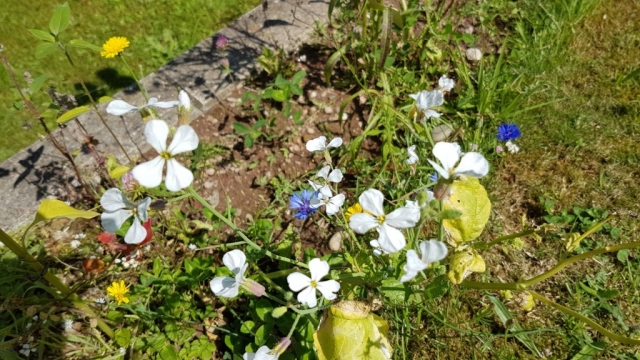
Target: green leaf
<point x="37" y="83"/>
<point x="263" y="310"/>
<point x="437" y="287"/>
<point x="105" y="99"/>
<point x="168" y="353"/>
<point x="241" y="128"/>
<point x="623" y="256"/>
<point x="60" y="19"/>
<point x="278" y="95"/>
<point x="44" y="49"/>
<point x="262" y="334"/>
<point x="123" y="337"/>
<point x="50" y="209"/>
<point x="42" y="35"/>
<point x="73" y="113"/>
<point x="608" y="294"/>
<point x="297" y="77"/>
<point x="589" y="350"/>
<point x="82" y="44"/>
<point x="247" y="327"/>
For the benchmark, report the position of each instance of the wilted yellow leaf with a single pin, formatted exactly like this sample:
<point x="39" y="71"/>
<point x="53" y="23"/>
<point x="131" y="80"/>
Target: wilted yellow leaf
<point x="463" y="263"/>
<point x="470" y="198"/>
<point x="51" y="209"/>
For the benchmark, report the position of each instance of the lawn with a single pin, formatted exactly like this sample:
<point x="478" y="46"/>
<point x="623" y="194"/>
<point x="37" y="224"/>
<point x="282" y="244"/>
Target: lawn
<point x="158" y="32"/>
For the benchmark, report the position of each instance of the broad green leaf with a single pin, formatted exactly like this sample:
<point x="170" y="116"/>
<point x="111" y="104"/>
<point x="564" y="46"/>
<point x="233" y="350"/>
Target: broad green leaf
<point x="241" y="128"/>
<point x="278" y="95"/>
<point x="247" y="327"/>
<point x="469" y="198"/>
<point x="590" y="350"/>
<point x="51" y="209"/>
<point x="73" y="113"/>
<point x="44" y="49"/>
<point x="123" y="337"/>
<point x="168" y="353"/>
<point x="351" y="332"/>
<point x="37" y="83"/>
<point x="60" y="19"/>
<point x="263" y="309"/>
<point x="42" y="35"/>
<point x="297" y="77"/>
<point x="82" y="44"/>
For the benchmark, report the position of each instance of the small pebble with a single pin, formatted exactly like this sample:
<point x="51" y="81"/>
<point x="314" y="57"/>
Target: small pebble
<point x="328" y="110"/>
<point x="210" y="171"/>
<point x="313" y="94"/>
<point x="311" y="131"/>
<point x="335" y="243"/>
<point x="474" y="54"/>
<point x="440" y="133"/>
<point x="345" y="116"/>
<point x="208" y="184"/>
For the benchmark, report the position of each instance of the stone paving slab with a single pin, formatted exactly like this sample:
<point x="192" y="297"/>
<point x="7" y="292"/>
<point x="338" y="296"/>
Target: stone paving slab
<point x="40" y="171"/>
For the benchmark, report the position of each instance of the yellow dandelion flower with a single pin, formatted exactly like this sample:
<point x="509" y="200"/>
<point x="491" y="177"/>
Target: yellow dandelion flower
<point x="354" y="209"/>
<point x="118" y="291"/>
<point x="114" y="46"/>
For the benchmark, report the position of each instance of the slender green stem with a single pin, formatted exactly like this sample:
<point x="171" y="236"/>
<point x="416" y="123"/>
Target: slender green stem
<point x="244" y="237"/>
<point x="611" y="335"/>
<point x="142" y="89"/>
<point x="505" y="238"/>
<point x="293" y="327"/>
<point x="53" y="280"/>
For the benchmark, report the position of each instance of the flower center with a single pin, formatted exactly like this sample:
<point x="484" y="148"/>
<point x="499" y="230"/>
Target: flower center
<point x="314" y="284"/>
<point x="380" y="219"/>
<point x="165" y="155"/>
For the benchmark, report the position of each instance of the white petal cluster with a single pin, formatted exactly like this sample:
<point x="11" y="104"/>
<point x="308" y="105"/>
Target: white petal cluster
<point x="320" y="144"/>
<point x="432" y="251"/>
<point x="117" y="209"/>
<point x="121" y="107"/>
<point x="426" y="100"/>
<point x="390" y="238"/>
<point x="225" y="286"/>
<point x="307" y="286"/>
<point x="445" y="84"/>
<point x="324" y="193"/>
<point x="512" y="148"/>
<point x="149" y="174"/>
<point x="455" y="162"/>
<point x="413" y="157"/>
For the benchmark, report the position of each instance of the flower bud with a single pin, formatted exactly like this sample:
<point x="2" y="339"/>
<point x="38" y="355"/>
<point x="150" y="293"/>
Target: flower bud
<point x="279" y="311"/>
<point x="281" y="346"/>
<point x="184" y="108"/>
<point x="253" y="287"/>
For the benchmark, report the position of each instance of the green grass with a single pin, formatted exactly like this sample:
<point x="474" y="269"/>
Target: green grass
<point x="158" y="31"/>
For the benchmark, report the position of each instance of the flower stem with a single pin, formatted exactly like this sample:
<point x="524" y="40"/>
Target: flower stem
<point x="244" y="237"/>
<point x="293" y="327"/>
<point x="611" y="335"/>
<point x="53" y="280"/>
<point x="142" y="90"/>
<point x="505" y="238"/>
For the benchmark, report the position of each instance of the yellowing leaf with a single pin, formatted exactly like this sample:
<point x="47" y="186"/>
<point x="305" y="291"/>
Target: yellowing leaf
<point x="470" y="198"/>
<point x="350" y="332"/>
<point x="51" y="209"/>
<point x="116" y="171"/>
<point x="572" y="241"/>
<point x="463" y="263"/>
<point x="72" y="114"/>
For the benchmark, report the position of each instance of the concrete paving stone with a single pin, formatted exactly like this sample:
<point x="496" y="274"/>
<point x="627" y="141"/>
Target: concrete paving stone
<point x="40" y="171"/>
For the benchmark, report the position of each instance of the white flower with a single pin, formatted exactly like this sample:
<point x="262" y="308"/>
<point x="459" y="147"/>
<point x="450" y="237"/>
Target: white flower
<point x="117" y="209"/>
<point x="101" y="301"/>
<point x="325" y="197"/>
<point x="445" y="83"/>
<point x="192" y="247"/>
<point x="413" y="157"/>
<point x="264" y="353"/>
<point x="183" y="101"/>
<point x="122" y="351"/>
<point x="428" y="99"/>
<point x="377" y="250"/>
<point x="149" y="174"/>
<point x="35" y="318"/>
<point x="335" y="176"/>
<point x="307" y="286"/>
<point x="512" y="148"/>
<point x="391" y="239"/>
<point x="67" y="325"/>
<point x="320" y="144"/>
<point x="120" y="107"/>
<point x="80" y="236"/>
<point x="432" y="251"/>
<point x="225" y="286"/>
<point x="75" y="243"/>
<point x="471" y="164"/>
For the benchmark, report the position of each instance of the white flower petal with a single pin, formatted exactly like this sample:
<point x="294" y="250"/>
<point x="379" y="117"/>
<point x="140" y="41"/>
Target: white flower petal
<point x="318" y="269"/>
<point x="391" y="239"/>
<point x="472" y="164"/>
<point x="143" y="209"/>
<point x="315" y="186"/>
<point x="432" y="251"/>
<point x="234" y="260"/>
<point x="414" y="263"/>
<point x="178" y="176"/>
<point x="444" y="173"/>
<point x="333" y="206"/>
<point x="316" y="203"/>
<point x="136" y="233"/>
<point x="372" y="201"/>
<point x="324" y="172"/>
<point x="164" y="104"/>
<point x="224" y="286"/>
<point x="335" y="142"/>
<point x="112" y="220"/>
<point x="308" y="296"/>
<point x="413" y="157"/>
<point x="445" y="83"/>
<point x="328" y="289"/>
<point x="317" y="144"/>
<point x="119" y="107"/>
<point x="184" y="99"/>
<point x="408" y="275"/>
<point x="156" y="133"/>
<point x="403" y="217"/>
<point x="448" y="154"/>
<point x="113" y="199"/>
<point x="335" y="176"/>
<point x="435" y="98"/>
<point x="185" y="139"/>
<point x="325" y="192"/>
<point x="361" y="222"/>
<point x="149" y="174"/>
<point x="298" y="281"/>
<point x="431" y="114"/>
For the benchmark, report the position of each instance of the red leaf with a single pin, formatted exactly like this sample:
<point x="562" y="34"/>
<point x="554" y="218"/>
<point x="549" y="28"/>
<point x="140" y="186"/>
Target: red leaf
<point x="147" y="226"/>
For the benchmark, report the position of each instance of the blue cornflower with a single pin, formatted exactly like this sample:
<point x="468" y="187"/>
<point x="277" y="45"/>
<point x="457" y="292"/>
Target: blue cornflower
<point x="301" y="202"/>
<point x="508" y="131"/>
<point x="433" y="177"/>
